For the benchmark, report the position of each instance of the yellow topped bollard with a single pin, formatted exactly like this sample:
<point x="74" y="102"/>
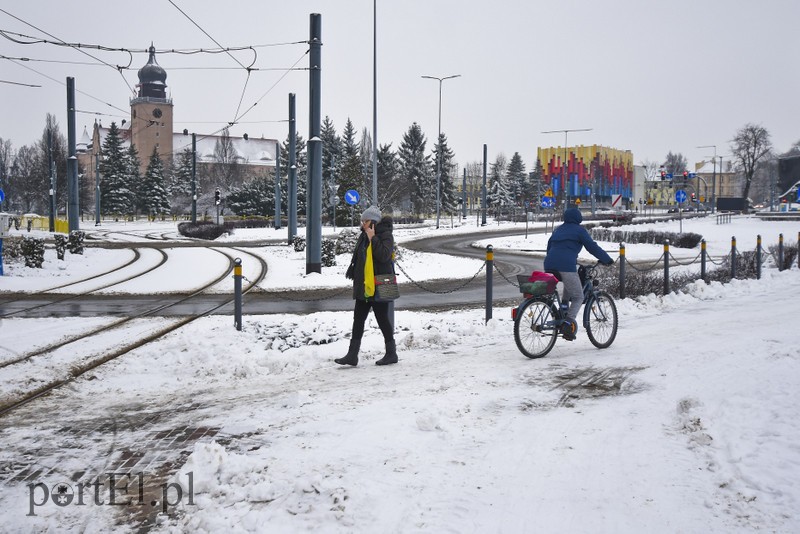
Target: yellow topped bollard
<point x="237" y="293"/>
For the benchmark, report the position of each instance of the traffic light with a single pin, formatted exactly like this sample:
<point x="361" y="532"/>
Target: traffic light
<point x="685" y="175"/>
<point x="216" y="197"/>
<point x="663" y="174"/>
<point x="694" y="198"/>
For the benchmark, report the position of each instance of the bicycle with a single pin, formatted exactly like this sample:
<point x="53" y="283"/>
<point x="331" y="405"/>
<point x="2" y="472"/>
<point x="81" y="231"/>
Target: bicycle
<point x="538" y="320"/>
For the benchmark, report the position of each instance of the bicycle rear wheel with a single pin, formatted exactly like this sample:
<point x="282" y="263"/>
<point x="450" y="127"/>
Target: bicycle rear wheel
<point x="535" y="328"/>
<point x="600" y="319"/>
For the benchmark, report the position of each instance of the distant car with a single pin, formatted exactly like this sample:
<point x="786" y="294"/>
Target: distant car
<point x="672" y="210"/>
<point x="625" y="216"/>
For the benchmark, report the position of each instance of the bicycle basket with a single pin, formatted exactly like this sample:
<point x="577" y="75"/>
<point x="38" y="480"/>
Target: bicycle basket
<point x="537" y="284"/>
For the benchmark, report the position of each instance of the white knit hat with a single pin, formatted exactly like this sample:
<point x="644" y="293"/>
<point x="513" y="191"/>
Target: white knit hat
<point x="372" y="213"/>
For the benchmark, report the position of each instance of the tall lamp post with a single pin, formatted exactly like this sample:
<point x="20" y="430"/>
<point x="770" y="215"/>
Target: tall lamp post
<point x="439" y="156"/>
<point x="564" y="174"/>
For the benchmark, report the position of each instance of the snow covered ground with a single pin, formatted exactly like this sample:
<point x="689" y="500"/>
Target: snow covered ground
<point x="687" y="423"/>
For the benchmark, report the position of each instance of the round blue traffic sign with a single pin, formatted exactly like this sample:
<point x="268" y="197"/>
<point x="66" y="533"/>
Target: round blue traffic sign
<point x="2" y="195"/>
<point x="352" y="197"/>
<point x="680" y="195"/>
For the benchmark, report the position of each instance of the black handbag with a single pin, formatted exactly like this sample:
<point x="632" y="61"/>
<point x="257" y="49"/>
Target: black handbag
<point x="386" y="288"/>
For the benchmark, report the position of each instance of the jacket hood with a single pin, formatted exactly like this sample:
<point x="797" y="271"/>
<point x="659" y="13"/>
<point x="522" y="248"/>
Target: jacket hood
<point x="385" y="224"/>
<point x="573" y="215"/>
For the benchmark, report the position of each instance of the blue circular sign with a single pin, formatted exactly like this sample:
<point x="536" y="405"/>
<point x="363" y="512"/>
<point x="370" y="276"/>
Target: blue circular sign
<point x="2" y="195"/>
<point x="352" y="197"/>
<point x="680" y="195"/>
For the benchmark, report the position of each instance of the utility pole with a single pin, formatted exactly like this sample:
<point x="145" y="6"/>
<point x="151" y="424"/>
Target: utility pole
<point x="292" y="185"/>
<point x="52" y="179"/>
<point x="73" y="213"/>
<point x="194" y="178"/>
<point x="483" y="189"/>
<point x="314" y="193"/>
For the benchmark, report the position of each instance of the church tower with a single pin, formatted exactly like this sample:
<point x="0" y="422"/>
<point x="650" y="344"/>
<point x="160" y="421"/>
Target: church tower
<point x="151" y="114"/>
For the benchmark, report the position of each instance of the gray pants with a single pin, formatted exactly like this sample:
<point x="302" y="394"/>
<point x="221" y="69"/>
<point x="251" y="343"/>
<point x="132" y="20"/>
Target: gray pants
<point x="573" y="293"/>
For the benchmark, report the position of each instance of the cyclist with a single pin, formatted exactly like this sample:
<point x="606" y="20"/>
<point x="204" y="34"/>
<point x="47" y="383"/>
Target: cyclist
<point x="563" y="248"/>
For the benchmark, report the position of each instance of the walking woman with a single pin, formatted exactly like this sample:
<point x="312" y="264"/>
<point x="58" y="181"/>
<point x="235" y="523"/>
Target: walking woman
<point x="373" y="255"/>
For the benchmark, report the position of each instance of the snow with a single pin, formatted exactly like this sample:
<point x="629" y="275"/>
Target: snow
<point x="687" y="423"/>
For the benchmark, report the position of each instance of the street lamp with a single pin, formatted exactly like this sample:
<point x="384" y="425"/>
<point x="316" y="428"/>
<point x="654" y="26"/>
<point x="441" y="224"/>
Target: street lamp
<point x="439" y="158"/>
<point x="564" y="163"/>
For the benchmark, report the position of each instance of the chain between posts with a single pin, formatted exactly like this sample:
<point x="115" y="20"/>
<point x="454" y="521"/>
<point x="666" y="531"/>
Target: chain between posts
<point x="429" y="290"/>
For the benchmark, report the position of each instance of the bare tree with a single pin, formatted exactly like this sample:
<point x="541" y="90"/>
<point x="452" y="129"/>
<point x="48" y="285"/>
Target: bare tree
<point x="650" y="170"/>
<point x="750" y="145"/>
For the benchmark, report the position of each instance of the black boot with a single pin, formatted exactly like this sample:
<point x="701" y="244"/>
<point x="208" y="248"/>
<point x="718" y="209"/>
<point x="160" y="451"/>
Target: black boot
<point x="351" y="358"/>
<point x="391" y="354"/>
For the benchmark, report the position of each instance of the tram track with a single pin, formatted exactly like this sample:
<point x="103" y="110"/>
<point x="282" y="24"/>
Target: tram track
<point x="71" y="370"/>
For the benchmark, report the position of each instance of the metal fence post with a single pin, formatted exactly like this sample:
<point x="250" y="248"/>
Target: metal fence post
<point x="703" y="260"/>
<point x="666" y="267"/>
<point x="798" y="250"/>
<point x="237" y="293"/>
<point x="733" y="256"/>
<point x="758" y="257"/>
<point x="622" y="270"/>
<point x="489" y="268"/>
<point x="780" y="252"/>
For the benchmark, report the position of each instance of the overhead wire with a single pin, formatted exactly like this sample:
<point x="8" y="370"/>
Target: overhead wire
<point x="75" y="48"/>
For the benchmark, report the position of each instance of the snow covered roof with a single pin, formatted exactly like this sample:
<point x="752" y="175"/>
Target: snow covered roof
<point x="249" y="151"/>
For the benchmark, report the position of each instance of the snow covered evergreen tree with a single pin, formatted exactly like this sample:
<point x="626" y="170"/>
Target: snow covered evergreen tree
<point x="255" y="197"/>
<point x="415" y="170"/>
<point x="154" y="190"/>
<point x="447" y="193"/>
<point x="134" y="180"/>
<point x="518" y="180"/>
<point x="498" y="196"/>
<point x="390" y="189"/>
<point x="115" y="193"/>
<point x="301" y="158"/>
<point x="331" y="162"/>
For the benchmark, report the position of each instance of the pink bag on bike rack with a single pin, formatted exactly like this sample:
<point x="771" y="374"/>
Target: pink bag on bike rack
<point x="539" y="283"/>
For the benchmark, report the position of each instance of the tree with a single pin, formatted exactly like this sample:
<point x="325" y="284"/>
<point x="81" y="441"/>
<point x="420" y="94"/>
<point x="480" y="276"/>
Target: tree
<point x="115" y="191"/>
<point x="447" y="169"/>
<point x="6" y="163"/>
<point x="650" y="170"/>
<point x="675" y="164"/>
<point x="365" y="158"/>
<point x="136" y="192"/>
<point x="749" y="146"/>
<point x="301" y="161"/>
<point x="225" y="172"/>
<point x="518" y="180"/>
<point x="331" y="161"/>
<point x="255" y="197"/>
<point x="179" y="185"/>
<point x="415" y="169"/>
<point x="498" y="194"/>
<point x="24" y="176"/>
<point x="154" y="190"/>
<point x="390" y="189"/>
<point x="351" y="175"/>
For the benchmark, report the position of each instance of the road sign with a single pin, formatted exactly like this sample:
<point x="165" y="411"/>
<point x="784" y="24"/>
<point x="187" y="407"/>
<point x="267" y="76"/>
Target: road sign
<point x="578" y="201"/>
<point x="2" y="195"/>
<point x="548" y="202"/>
<point x="616" y="201"/>
<point x="649" y="201"/>
<point x="337" y="201"/>
<point x="669" y="176"/>
<point x="352" y="197"/>
<point x="680" y="196"/>
<point x="549" y="193"/>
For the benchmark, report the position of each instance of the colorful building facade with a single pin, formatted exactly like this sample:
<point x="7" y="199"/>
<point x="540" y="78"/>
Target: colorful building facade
<point x="571" y="172"/>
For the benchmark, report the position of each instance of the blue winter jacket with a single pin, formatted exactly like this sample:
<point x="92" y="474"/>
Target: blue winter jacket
<point x="566" y="243"/>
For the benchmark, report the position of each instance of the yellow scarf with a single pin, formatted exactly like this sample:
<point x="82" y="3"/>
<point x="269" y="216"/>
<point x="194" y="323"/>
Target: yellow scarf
<point x="369" y="274"/>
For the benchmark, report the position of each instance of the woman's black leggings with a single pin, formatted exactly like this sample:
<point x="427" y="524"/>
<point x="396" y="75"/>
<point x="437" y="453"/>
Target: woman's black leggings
<point x="381" y="310"/>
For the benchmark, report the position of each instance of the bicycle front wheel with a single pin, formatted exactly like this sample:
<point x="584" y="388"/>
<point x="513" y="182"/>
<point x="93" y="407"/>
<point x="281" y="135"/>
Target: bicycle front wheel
<point x="535" y="328"/>
<point x="600" y="319"/>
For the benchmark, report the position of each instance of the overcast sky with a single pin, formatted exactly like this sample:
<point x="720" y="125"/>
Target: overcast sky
<point x="649" y="77"/>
